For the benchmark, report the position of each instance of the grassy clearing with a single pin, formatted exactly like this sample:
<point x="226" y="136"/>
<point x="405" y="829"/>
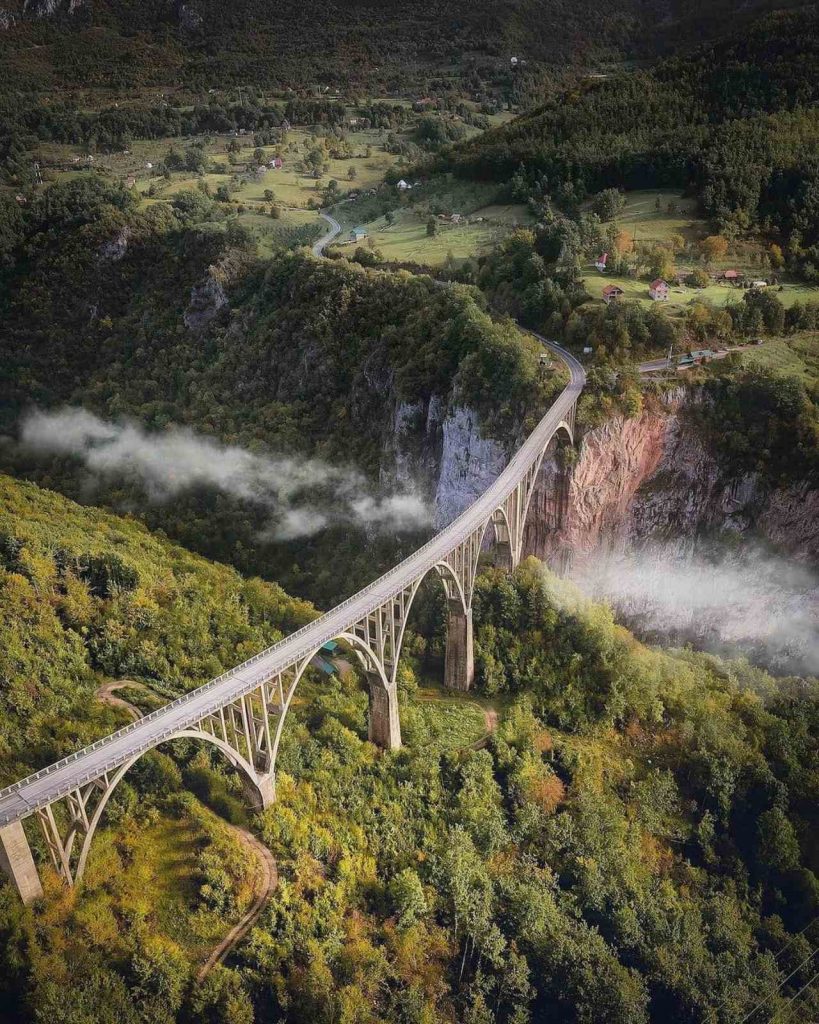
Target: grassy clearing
<point x="657" y="217"/>
<point x="483" y="223"/>
<point x="162" y="882"/>
<point x="682" y="296"/>
<point x="646" y="223"/>
<point x="451" y="720"/>
<point x="292" y="187"/>
<point x="796" y="356"/>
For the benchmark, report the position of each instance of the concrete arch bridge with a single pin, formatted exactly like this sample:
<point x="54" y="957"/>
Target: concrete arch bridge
<point x="242" y="712"/>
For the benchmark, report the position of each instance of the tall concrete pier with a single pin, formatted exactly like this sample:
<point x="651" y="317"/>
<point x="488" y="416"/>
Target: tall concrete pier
<point x="459" y="662"/>
<point x="18" y="864"/>
<point x="384" y="724"/>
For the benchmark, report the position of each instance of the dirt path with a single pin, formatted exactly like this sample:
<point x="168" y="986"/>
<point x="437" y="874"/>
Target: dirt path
<point x="267" y="874"/>
<point x="106" y="694"/>
<point x="268" y="882"/>
<point x="490" y="717"/>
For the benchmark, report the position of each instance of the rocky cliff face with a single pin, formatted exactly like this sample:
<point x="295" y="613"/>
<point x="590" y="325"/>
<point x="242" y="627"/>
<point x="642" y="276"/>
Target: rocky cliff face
<point x="442" y="453"/>
<point x="652" y="479"/>
<point x="49" y="8"/>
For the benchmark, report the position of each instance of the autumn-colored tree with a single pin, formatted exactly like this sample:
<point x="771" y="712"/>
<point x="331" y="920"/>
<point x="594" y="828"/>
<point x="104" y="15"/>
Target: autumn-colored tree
<point x="623" y="242"/>
<point x="714" y="247"/>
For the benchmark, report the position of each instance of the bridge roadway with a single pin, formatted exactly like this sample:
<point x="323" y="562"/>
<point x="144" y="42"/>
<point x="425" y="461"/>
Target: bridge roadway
<point x="21" y="799"/>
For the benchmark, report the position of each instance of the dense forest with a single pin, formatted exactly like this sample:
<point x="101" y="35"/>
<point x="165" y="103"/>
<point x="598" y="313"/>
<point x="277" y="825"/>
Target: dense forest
<point x="86" y="595"/>
<point x="735" y="123"/>
<point x="633" y="844"/>
<point x="128" y="44"/>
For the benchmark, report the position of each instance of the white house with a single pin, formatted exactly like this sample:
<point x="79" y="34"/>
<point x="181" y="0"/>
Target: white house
<point x="402" y="185"/>
<point x="658" y="290"/>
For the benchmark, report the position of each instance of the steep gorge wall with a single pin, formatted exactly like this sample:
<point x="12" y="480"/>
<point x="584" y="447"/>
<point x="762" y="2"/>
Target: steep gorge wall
<point x="654" y="479"/>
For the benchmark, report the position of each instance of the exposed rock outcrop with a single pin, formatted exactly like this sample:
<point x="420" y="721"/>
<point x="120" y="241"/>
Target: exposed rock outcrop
<point x="49" y="8"/>
<point x="654" y="479"/>
<point x="115" y="248"/>
<point x="207" y="299"/>
<point x="190" y="20"/>
<point x="469" y="464"/>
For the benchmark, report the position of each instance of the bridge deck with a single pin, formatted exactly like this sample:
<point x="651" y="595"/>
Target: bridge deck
<point x="45" y="786"/>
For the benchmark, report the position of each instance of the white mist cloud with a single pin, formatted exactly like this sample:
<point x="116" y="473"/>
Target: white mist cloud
<point x="751" y="602"/>
<point x="168" y="463"/>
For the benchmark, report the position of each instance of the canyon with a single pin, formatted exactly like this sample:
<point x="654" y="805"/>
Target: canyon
<point x="648" y="519"/>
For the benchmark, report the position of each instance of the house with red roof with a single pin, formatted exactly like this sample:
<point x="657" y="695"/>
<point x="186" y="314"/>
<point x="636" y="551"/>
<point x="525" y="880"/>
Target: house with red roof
<point x="658" y="290"/>
<point x="611" y="292"/>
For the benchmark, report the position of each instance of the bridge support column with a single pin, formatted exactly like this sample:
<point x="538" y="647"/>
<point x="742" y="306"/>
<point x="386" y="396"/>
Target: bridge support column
<point x="503" y="556"/>
<point x="384" y="724"/>
<point x="459" y="661"/>
<point x="261" y="793"/>
<point x="16" y="861"/>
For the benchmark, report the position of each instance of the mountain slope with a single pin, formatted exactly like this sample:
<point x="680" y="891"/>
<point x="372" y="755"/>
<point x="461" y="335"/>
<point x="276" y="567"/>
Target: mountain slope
<point x="85" y="595"/>
<point x="127" y="43"/>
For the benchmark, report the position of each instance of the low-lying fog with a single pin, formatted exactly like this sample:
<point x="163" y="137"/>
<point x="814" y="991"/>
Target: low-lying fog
<point x="733" y="603"/>
<point x="304" y="495"/>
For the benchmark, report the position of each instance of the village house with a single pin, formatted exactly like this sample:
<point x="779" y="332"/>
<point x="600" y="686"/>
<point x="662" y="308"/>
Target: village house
<point x="759" y="284"/>
<point x="455" y="218"/>
<point x="658" y="290"/>
<point x="601" y="261"/>
<point x="611" y="292"/>
<point x="402" y="185"/>
<point x="130" y="181"/>
<point x="276" y="163"/>
<point x="358" y="234"/>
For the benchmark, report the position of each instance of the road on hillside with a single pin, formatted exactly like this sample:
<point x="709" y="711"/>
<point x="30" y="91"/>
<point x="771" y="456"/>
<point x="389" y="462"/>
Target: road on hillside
<point x="324" y="241"/>
<point x="655" y="365"/>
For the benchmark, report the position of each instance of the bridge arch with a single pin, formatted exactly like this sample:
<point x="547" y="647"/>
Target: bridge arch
<point x="251" y="779"/>
<point x="377" y="680"/>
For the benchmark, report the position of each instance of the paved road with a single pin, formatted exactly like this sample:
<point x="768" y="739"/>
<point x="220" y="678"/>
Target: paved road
<point x="655" y="365"/>
<point x="21" y="799"/>
<point x="324" y="241"/>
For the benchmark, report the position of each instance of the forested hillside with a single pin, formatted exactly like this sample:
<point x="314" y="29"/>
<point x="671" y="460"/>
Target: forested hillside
<point x="86" y="596"/>
<point x="735" y="124"/>
<point x="166" y="315"/>
<point x="633" y="845"/>
<point x="127" y="44"/>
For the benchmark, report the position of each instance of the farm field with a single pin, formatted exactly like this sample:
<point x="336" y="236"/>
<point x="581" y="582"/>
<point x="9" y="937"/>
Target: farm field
<point x="641" y="218"/>
<point x="484" y="222"/>
<point x="796" y="356"/>
<point x="682" y="296"/>
<point x="291" y="186"/>
<point x="663" y="217"/>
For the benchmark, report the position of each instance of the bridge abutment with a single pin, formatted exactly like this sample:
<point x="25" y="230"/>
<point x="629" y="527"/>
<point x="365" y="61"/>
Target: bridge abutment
<point x="459" y="661"/>
<point x="384" y="724"/>
<point x="16" y="861"/>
